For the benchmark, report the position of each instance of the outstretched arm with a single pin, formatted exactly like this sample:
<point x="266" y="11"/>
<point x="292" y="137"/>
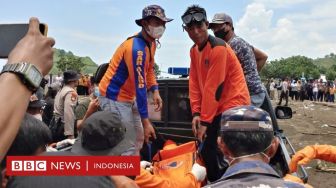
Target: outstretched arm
<point x="36" y="49"/>
<point x="261" y="58"/>
<point x="304" y="156"/>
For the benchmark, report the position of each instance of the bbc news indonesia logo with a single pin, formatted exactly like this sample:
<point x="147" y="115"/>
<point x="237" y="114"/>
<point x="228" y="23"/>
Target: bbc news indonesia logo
<point x="73" y="165"/>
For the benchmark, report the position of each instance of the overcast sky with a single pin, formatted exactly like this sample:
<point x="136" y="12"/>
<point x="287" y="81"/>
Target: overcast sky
<point x="95" y="28"/>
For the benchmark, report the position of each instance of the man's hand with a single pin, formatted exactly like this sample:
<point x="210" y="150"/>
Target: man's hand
<point x="195" y="124"/>
<point x="148" y="130"/>
<point x="93" y="106"/>
<point x="34" y="48"/>
<point x="201" y="133"/>
<point x="157" y="101"/>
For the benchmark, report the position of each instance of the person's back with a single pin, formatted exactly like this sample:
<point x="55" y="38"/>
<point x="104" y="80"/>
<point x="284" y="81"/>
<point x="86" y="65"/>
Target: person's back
<point x="65" y="101"/>
<point x="248" y="142"/>
<point x="284" y="86"/>
<point x="48" y="110"/>
<point x="59" y="100"/>
<point x="272" y="86"/>
<point x="259" y="174"/>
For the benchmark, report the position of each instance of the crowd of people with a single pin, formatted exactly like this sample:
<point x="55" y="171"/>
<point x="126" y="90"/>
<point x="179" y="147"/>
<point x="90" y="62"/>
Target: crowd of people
<point x="225" y="91"/>
<point x="300" y="90"/>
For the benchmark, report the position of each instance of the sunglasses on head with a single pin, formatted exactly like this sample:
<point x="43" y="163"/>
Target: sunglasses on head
<point x="191" y="24"/>
<point x="198" y="16"/>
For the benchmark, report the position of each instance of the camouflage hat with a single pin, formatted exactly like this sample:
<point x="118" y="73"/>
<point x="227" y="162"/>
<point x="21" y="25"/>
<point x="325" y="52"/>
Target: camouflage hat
<point x="153" y="10"/>
<point x="246" y="118"/>
<point x="220" y="18"/>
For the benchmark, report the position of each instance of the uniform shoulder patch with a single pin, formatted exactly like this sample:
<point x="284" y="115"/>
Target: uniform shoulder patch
<point x="74" y="96"/>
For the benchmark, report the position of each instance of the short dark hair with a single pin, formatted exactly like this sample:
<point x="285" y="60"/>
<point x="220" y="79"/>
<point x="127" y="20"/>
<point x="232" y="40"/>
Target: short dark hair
<point x="247" y="142"/>
<point x="32" y="135"/>
<point x="195" y="8"/>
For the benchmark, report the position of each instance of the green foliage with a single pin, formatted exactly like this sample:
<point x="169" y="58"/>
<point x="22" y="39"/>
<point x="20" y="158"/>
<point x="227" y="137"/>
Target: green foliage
<point x="70" y="62"/>
<point x="331" y="73"/>
<point x="327" y="61"/>
<point x="67" y="60"/>
<point x="294" y="66"/>
<point x="156" y="70"/>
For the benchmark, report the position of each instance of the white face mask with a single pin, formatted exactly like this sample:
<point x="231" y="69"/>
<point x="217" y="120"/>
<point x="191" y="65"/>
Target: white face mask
<point x="38" y="116"/>
<point x="250" y="155"/>
<point x="96" y="91"/>
<point x="155" y="32"/>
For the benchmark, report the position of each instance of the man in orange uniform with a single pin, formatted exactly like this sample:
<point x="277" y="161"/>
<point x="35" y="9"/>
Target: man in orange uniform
<point x="216" y="84"/>
<point x="123" y="88"/>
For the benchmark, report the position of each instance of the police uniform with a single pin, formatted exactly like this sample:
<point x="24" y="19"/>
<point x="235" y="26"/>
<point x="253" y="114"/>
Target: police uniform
<point x="65" y="103"/>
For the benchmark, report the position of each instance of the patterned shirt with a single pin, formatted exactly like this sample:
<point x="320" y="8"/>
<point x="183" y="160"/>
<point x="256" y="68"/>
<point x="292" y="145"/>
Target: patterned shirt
<point x="244" y="52"/>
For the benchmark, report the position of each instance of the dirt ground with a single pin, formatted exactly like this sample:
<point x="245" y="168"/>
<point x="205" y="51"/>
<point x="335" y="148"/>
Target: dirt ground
<point x="309" y="117"/>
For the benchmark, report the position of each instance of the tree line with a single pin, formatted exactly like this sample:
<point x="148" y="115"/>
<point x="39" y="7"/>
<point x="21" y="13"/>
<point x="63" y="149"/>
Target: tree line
<point x="294" y="66"/>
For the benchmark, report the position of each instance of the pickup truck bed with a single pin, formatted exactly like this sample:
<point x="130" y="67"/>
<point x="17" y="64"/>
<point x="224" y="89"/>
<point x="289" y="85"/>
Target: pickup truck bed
<point x="174" y="122"/>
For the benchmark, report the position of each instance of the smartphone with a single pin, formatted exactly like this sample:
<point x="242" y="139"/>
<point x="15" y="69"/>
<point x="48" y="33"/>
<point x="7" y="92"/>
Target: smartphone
<point x="11" y="34"/>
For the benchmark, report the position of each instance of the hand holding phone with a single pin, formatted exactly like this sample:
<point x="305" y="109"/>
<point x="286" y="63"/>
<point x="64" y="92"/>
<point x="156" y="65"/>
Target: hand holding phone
<point x="34" y="48"/>
<point x="11" y="34"/>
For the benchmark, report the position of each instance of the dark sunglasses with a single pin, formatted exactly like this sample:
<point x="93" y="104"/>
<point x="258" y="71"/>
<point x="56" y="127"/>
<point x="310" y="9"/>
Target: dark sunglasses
<point x="198" y="16"/>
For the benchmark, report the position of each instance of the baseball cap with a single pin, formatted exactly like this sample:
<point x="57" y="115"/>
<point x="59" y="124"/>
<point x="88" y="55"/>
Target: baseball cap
<point x="103" y="134"/>
<point x="220" y="18"/>
<point x="153" y="10"/>
<point x="246" y="118"/>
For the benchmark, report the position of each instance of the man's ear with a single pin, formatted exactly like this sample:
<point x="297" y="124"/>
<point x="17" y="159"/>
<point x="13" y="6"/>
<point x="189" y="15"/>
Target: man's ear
<point x="143" y="23"/>
<point x="274" y="147"/>
<point x="207" y="24"/>
<point x="224" y="149"/>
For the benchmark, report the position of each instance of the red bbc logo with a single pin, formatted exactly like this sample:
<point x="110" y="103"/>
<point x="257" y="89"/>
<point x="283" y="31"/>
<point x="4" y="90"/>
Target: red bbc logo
<point x="29" y="165"/>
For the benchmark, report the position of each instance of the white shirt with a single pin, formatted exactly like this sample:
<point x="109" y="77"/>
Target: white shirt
<point x="272" y="86"/>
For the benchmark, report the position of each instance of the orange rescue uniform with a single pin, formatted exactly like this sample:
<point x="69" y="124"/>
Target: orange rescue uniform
<point x="216" y="81"/>
<point x="131" y="73"/>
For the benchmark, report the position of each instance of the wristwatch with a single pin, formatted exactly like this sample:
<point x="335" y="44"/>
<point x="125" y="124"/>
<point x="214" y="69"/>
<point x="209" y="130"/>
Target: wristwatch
<point x="28" y="74"/>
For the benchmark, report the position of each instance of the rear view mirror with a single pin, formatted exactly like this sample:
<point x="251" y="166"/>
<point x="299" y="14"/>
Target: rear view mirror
<point x="283" y="112"/>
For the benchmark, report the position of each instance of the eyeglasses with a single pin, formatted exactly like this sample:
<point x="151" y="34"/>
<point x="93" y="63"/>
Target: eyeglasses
<point x="198" y="16"/>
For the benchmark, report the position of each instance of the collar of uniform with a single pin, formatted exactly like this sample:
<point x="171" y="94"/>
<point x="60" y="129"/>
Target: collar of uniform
<point x="249" y="167"/>
<point x="200" y="48"/>
<point x="233" y="36"/>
